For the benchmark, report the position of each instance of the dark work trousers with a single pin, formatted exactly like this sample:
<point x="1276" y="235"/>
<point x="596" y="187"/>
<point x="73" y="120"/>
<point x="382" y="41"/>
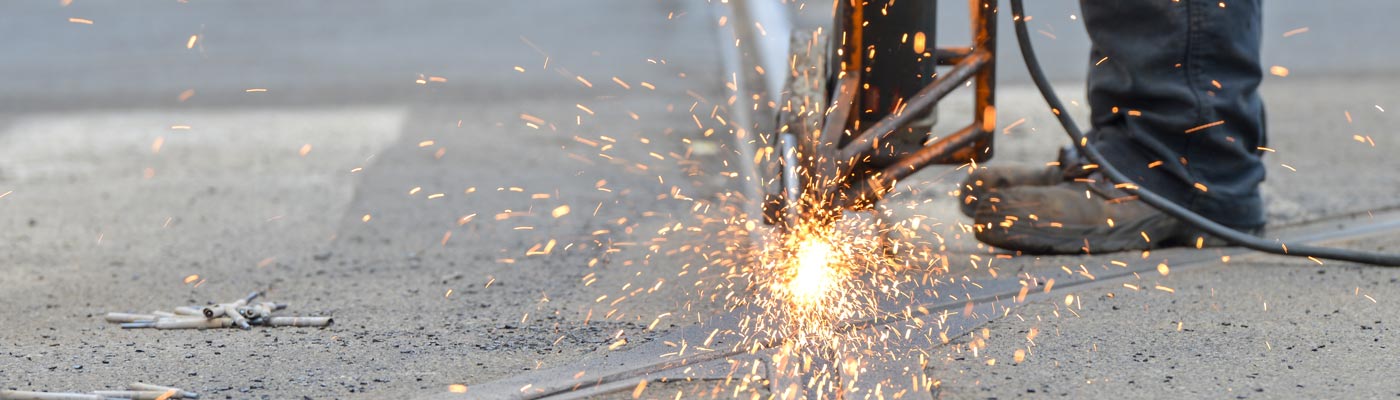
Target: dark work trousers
<point x="1173" y="91"/>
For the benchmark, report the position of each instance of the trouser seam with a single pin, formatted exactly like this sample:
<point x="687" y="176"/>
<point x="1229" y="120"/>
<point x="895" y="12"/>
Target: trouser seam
<point x="1192" y="70"/>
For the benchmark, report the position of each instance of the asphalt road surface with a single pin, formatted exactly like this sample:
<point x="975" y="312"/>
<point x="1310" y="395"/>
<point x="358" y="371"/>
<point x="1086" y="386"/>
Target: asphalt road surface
<point x="479" y="189"/>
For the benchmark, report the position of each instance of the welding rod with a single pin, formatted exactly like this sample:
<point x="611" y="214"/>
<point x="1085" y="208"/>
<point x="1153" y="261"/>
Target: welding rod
<point x="159" y="313"/>
<point x="153" y="323"/>
<point x="249" y="298"/>
<point x="187" y="310"/>
<point x="300" y="321"/>
<point x="253" y="312"/>
<point x="233" y="315"/>
<point x="231" y="310"/>
<point x="222" y="309"/>
<point x="138" y="394"/>
<point x="191" y="323"/>
<point x="261" y="310"/>
<point x="23" y="395"/>
<point x="127" y="317"/>
<point x="180" y="393"/>
<point x="213" y="311"/>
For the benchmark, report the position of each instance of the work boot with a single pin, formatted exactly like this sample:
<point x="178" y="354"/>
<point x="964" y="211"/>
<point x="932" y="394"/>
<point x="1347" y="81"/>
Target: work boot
<point x="1085" y="215"/>
<point x="985" y="179"/>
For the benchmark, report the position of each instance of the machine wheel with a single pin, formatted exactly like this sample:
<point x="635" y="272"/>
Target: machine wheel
<point x="801" y="116"/>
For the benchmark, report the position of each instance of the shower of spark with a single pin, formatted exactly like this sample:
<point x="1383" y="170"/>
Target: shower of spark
<point x="812" y="281"/>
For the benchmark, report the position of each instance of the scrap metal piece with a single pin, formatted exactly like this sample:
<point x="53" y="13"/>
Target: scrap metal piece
<point x="25" y="395"/>
<point x="300" y="321"/>
<point x="181" y="393"/>
<point x="213" y="311"/>
<point x="128" y="317"/>
<point x="187" y="310"/>
<point x="139" y="394"/>
<point x="260" y="310"/>
<point x="237" y="319"/>
<point x="193" y="323"/>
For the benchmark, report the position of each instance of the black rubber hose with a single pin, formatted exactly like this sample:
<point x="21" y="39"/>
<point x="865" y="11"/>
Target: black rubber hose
<point x="1167" y="206"/>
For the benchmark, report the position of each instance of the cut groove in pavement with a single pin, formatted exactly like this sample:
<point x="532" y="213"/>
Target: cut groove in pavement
<point x="897" y="368"/>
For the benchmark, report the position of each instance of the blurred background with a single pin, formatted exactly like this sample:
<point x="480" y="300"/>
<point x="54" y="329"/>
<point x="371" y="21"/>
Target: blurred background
<point x="139" y="54"/>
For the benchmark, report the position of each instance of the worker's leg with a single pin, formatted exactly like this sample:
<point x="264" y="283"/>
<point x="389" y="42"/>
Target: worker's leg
<point x="1172" y="88"/>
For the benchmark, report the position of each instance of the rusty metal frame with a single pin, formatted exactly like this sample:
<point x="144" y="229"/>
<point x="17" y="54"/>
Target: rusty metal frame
<point x="973" y="142"/>
<point x="845" y="150"/>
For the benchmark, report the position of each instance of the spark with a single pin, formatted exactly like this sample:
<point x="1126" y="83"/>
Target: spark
<point x="1295" y="31"/>
<point x="814" y="274"/>
<point x="83" y="21"/>
<point x="620" y="82"/>
<point x="1216" y="123"/>
<point x="560" y="211"/>
<point x="190" y="44"/>
<point x="1013" y="125"/>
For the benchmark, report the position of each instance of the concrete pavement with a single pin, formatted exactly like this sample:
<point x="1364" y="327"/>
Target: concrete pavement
<point x="529" y="205"/>
<point x="114" y="191"/>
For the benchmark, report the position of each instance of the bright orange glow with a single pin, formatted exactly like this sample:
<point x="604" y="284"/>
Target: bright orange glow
<point x="814" y="275"/>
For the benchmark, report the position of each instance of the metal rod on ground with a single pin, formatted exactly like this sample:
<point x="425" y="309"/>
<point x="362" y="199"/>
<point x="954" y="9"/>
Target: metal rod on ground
<point x="186" y="310"/>
<point x="261" y="310"/>
<point x="152" y="323"/>
<point x="127" y="317"/>
<point x="139" y="325"/>
<point x="233" y="315"/>
<point x="139" y="394"/>
<point x="23" y="395"/>
<point x="179" y="392"/>
<point x="192" y="323"/>
<point x="231" y="310"/>
<point x="213" y="311"/>
<point x="249" y="298"/>
<point x="300" y="321"/>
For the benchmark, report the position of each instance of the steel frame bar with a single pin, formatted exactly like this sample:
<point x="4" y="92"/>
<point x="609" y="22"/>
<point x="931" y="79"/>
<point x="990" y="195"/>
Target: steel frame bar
<point x="941" y="151"/>
<point x="975" y="63"/>
<point x="866" y="142"/>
